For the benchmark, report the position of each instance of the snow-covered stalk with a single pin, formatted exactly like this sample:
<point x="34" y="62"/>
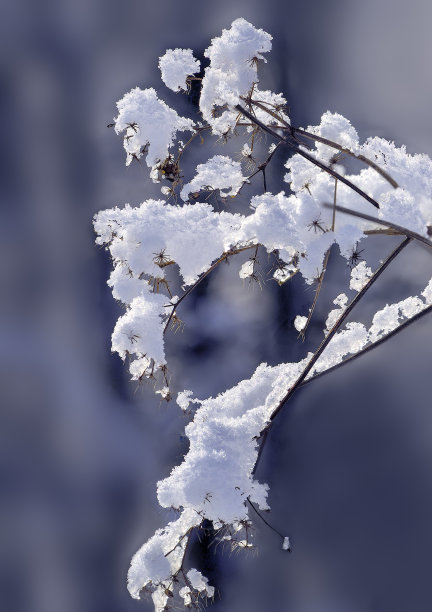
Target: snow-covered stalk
<point x="215" y="484"/>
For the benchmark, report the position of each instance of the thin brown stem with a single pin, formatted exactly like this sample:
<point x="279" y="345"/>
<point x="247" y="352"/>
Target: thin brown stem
<point x="393" y="226"/>
<point x="263" y="519"/>
<point x="261" y="168"/>
<point x="338" y="324"/>
<point x="370" y="347"/>
<point x="324" y="268"/>
<point x="313" y="160"/>
<point x="326" y="342"/>
<point x="330" y="143"/>
<point x="317" y="292"/>
<point x="222" y="258"/>
<point x="360" y="157"/>
<point x="194" y="135"/>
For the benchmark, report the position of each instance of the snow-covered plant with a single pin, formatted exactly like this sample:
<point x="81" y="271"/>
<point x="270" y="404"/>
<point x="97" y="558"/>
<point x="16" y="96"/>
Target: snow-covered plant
<point x="339" y="191"/>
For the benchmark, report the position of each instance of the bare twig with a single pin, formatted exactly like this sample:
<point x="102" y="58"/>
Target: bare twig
<point x="263" y="519"/>
<point x="261" y="168"/>
<point x="393" y="226"/>
<point x="222" y="258"/>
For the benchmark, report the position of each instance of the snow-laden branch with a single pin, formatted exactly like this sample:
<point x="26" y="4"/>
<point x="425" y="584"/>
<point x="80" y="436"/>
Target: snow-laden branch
<point x="216" y="480"/>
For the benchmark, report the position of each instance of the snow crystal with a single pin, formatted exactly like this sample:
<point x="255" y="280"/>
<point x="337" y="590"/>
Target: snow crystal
<point x="219" y="172"/>
<point x="149" y="124"/>
<point x="176" y="65"/>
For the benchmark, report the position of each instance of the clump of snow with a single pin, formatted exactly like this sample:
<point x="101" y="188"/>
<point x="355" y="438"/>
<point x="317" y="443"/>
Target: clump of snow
<point x="388" y="318"/>
<point x="427" y="293"/>
<point x="200" y="582"/>
<point x="160" y="558"/>
<point x="360" y="275"/>
<point x="176" y="65"/>
<point x="341" y="301"/>
<point x="247" y="269"/>
<point x="232" y="72"/>
<point x="216" y="477"/>
<point x="350" y="340"/>
<point x="219" y="172"/>
<point x="300" y="322"/>
<point x="185" y="399"/>
<point x="286" y="544"/>
<point x="149" y="124"/>
<point x="139" y="331"/>
<point x="410" y="205"/>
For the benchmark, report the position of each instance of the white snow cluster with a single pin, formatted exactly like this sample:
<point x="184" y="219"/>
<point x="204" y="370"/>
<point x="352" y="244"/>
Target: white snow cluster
<point x="150" y="125"/>
<point x="247" y="269"/>
<point x="356" y="336"/>
<point x="176" y="65"/>
<point x="139" y="332"/>
<point x="340" y="301"/>
<point x="232" y="72"/>
<point x="360" y="275"/>
<point x="219" y="172"/>
<point x="410" y="205"/>
<point x="215" y="478"/>
<point x="300" y="322"/>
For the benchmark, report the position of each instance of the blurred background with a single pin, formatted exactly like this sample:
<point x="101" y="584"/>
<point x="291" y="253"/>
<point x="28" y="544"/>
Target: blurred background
<point x="81" y="446"/>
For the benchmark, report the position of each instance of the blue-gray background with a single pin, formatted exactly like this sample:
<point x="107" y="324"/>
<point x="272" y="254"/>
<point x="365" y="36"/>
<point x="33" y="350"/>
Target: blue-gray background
<point x="349" y="463"/>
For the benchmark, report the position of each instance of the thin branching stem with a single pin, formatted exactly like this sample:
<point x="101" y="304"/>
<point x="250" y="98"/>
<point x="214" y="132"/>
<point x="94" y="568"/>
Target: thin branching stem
<point x="222" y="258"/>
<point x="330" y="143"/>
<point x="327" y="341"/>
<point x="263" y="519"/>
<point x="260" y="168"/>
<point x="390" y="224"/>
<point x="294" y="145"/>
<point x="346" y="151"/>
<point x="338" y="324"/>
<point x="370" y="347"/>
<point x="191" y="139"/>
<point x="324" y="268"/>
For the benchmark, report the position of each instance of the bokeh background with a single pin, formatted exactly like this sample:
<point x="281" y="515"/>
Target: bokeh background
<point x="349" y="463"/>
